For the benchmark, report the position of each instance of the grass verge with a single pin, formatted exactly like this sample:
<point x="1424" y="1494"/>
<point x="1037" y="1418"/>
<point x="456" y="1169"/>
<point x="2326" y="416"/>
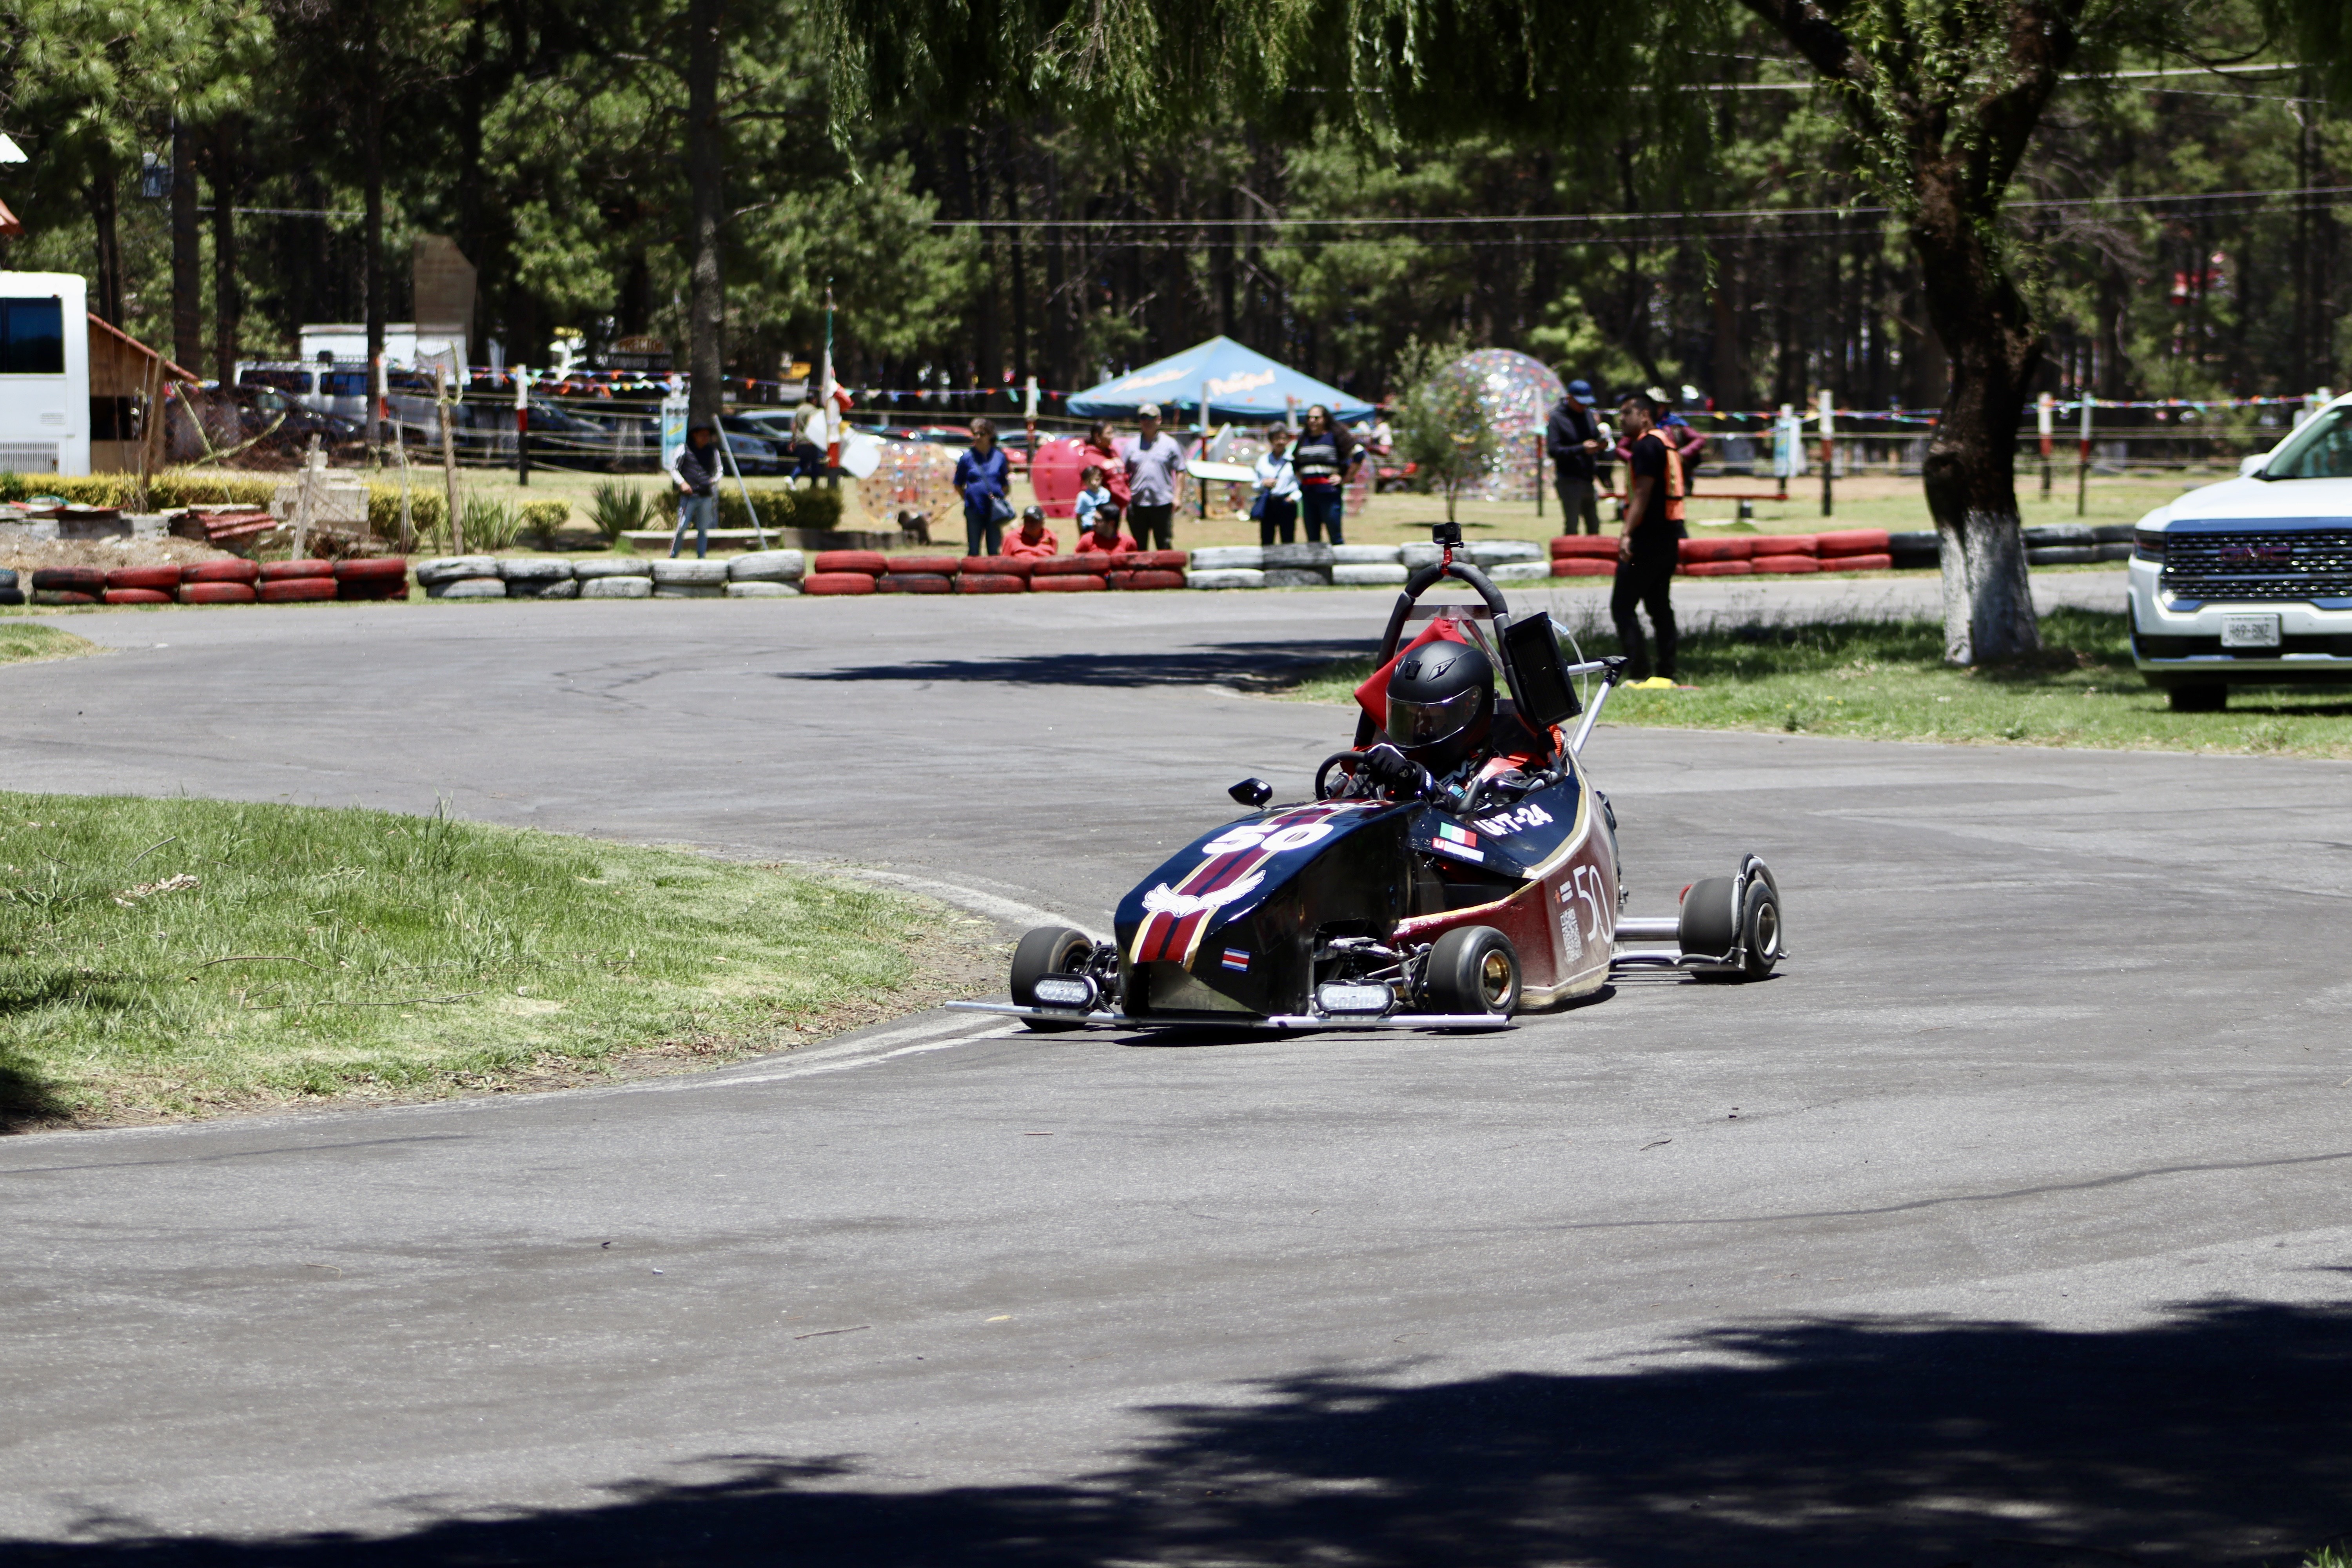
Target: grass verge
<point x="1888" y="682"/>
<point x="175" y="958"/>
<point x="23" y="643"/>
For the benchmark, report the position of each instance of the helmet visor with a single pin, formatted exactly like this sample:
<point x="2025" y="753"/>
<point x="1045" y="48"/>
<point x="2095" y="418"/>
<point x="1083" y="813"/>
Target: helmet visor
<point x="1414" y="723"/>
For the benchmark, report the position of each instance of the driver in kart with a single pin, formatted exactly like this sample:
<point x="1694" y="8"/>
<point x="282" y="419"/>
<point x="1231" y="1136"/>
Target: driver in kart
<point x="1439" y="736"/>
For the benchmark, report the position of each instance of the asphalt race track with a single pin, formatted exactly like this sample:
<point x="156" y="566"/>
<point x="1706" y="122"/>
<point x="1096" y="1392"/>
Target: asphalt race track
<point x="2006" y="1225"/>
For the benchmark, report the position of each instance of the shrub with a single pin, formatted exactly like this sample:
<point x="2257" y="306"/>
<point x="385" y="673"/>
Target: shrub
<point x="617" y="508"/>
<point x="538" y="521"/>
<point x="490" y="523"/>
<point x="817" y="507"/>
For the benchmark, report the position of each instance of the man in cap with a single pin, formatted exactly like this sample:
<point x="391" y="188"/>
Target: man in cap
<point x="1573" y="436"/>
<point x="1153" y="462"/>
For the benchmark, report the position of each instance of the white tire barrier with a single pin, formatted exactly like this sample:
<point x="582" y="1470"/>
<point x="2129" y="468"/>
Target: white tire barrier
<point x="1229" y="558"/>
<point x="584" y="570"/>
<point x="1368" y="573"/>
<point x="1224" y="576"/>
<point x="689" y="590"/>
<point x="759" y="588"/>
<point x="1416" y="556"/>
<point x="683" y="574"/>
<point x="533" y="569"/>
<point x="1504" y="551"/>
<point x="1518" y="572"/>
<point x="1293" y="577"/>
<point x="567" y="589"/>
<point x="467" y="588"/>
<point x="453" y="568"/>
<point x="767" y="566"/>
<point x="617" y="587"/>
<point x="1365" y="555"/>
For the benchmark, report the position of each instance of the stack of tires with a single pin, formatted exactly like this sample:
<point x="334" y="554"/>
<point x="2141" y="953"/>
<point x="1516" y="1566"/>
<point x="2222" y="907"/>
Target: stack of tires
<point x="297" y="581"/>
<point x="1585" y="555"/>
<point x="220" y="583"/>
<point x="1148" y="570"/>
<point x="142" y="586"/>
<point x="840" y="572"/>
<point x="461" y="577"/>
<point x="849" y="572"/>
<point x="69" y="586"/>
<point x="1226" y="567"/>
<point x="371" y="578"/>
<point x="1367" y="566"/>
<point x="993" y="574"/>
<point x="10" y="594"/>
<point x="617" y="578"/>
<point x="537" y="577"/>
<point x="918" y="575"/>
<point x="766" y="575"/>
<point x="2077" y="544"/>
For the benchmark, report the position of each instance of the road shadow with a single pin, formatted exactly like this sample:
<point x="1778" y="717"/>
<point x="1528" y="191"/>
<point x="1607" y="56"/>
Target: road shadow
<point x="1259" y="666"/>
<point x="2220" y="1434"/>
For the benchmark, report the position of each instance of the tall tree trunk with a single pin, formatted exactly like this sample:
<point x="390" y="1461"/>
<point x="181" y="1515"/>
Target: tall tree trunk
<point x="1020" y="257"/>
<point x="228" y="303"/>
<point x="1970" y="472"/>
<point x="104" y="213"/>
<point x="187" y="257"/>
<point x="1057" y="304"/>
<point x="706" y="172"/>
<point x="371" y="92"/>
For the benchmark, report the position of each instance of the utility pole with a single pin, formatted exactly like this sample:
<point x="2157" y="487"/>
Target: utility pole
<point x="187" y="263"/>
<point x="1828" y="445"/>
<point x="2046" y="413"/>
<point x="2083" y="460"/>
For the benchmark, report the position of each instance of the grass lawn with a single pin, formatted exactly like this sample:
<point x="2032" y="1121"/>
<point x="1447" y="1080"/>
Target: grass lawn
<point x="1888" y="682"/>
<point x="23" y="643"/>
<point x="171" y="958"/>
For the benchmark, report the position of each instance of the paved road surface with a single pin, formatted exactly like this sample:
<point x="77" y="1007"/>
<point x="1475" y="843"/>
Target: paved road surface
<point x="2007" y="1225"/>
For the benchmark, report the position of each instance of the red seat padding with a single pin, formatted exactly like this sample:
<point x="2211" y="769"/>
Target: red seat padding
<point x="296" y="589"/>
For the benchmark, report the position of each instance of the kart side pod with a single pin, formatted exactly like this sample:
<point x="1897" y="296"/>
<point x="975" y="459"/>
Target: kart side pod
<point x="1729" y="928"/>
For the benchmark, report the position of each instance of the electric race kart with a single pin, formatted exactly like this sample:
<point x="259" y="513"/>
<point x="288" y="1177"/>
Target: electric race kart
<point x="1392" y="899"/>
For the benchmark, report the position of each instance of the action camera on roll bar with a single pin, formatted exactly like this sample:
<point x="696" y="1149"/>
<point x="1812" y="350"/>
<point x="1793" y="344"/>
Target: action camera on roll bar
<point x="1445" y="535"/>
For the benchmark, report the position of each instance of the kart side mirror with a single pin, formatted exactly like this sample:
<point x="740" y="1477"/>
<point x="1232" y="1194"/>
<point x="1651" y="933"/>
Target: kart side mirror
<point x="1252" y="793"/>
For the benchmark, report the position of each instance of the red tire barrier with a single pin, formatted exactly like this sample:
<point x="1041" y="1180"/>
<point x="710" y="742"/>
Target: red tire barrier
<point x="926" y="565"/>
<point x="1584" y="544"/>
<point x="999" y="565"/>
<point x="1584" y="566"/>
<point x="297" y="590"/>
<point x="1068" y="583"/>
<point x="1852" y="542"/>
<point x="1857" y="564"/>
<point x="220" y="572"/>
<point x="64" y="596"/>
<point x="1717" y="568"/>
<point x="165" y="578"/>
<point x="969" y="582"/>
<point x="218" y="593"/>
<point x="1140" y="582"/>
<point x="1716" y="549"/>
<point x="273" y="570"/>
<point x="1069" y="565"/>
<point x="872" y="562"/>
<point x="71" y="579"/>
<point x="914" y="583"/>
<point x="839" y="582"/>
<point x="370" y="589"/>
<point x="371" y="568"/>
<point x="137" y="596"/>
<point x="1785" y="544"/>
<point x="1784" y="565"/>
<point x="1159" y="560"/>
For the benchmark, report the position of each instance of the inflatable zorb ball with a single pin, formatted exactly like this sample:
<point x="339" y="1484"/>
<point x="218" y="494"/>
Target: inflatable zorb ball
<point x="913" y="475"/>
<point x="1517" y="395"/>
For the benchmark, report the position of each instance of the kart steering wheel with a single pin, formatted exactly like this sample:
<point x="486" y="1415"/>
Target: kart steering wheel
<point x="1347" y="762"/>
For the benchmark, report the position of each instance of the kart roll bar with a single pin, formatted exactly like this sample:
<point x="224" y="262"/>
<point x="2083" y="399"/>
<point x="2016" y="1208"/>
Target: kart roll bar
<point x="1419" y="583"/>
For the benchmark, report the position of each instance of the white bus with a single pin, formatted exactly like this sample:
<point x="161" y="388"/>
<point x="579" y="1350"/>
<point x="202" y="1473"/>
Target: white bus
<point x="44" y="409"/>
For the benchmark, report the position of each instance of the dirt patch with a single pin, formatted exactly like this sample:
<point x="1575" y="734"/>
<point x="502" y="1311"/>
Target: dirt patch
<point x="19" y="551"/>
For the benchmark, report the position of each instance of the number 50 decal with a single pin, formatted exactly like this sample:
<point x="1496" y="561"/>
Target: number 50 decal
<point x="1255" y="835"/>
<point x="1592" y="892"/>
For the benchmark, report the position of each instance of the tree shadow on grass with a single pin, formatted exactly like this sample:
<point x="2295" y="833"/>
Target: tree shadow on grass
<point x="1268" y="666"/>
<point x="2221" y="1434"/>
<point x="28" y="1103"/>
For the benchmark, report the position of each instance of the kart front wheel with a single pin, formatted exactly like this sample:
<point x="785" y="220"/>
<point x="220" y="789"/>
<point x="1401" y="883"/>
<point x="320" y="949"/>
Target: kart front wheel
<point x="1472" y="969"/>
<point x="1759" y="927"/>
<point x="1048" y="950"/>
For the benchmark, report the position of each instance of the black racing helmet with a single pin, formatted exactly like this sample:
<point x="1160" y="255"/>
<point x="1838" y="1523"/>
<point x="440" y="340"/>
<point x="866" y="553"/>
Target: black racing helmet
<point x="1440" y="703"/>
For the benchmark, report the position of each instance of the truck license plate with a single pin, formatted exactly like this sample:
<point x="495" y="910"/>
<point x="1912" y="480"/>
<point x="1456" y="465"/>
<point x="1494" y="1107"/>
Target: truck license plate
<point x="2250" y="631"/>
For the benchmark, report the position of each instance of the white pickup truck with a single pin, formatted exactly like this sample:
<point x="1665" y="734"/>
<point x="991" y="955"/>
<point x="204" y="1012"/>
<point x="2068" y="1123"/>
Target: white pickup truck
<point x="2249" y="581"/>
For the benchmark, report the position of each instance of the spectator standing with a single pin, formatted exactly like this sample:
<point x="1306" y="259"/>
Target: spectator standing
<point x="810" y="437"/>
<point x="695" y="467"/>
<point x="1323" y="460"/>
<point x="1688" y="444"/>
<point x="1651" y="544"/>
<point x="1033" y="538"/>
<point x="981" y="477"/>
<point x="1278" y="490"/>
<point x="1101" y="448"/>
<point x="1572" y="438"/>
<point x="1094" y="503"/>
<point x="1153" y="464"/>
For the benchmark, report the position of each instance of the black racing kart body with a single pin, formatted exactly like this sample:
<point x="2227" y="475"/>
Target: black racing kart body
<point x="1400" y="902"/>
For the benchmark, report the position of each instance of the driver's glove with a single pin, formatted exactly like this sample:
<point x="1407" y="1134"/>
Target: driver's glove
<point x="1401" y="773"/>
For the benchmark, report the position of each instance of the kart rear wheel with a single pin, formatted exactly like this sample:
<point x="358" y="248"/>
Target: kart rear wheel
<point x="1472" y="969"/>
<point x="1048" y="950"/>
<point x="1710" y="920"/>
<point x="1759" y="928"/>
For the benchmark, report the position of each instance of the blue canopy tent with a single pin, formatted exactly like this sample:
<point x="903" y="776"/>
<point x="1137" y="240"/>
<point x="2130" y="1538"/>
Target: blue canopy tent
<point x="1239" y="385"/>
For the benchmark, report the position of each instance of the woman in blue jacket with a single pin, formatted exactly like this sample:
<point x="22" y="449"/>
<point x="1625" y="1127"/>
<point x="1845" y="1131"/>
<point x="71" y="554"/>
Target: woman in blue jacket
<point x="981" y="477"/>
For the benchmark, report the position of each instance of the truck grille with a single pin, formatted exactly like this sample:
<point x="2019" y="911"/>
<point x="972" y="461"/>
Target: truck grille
<point x="2274" y="564"/>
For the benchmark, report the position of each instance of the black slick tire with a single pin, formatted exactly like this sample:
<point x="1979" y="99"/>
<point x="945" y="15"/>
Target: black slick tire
<point x="1710" y="920"/>
<point x="1759" y="929"/>
<point x="1472" y="970"/>
<point x="2199" y="697"/>
<point x="1048" y="950"/>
